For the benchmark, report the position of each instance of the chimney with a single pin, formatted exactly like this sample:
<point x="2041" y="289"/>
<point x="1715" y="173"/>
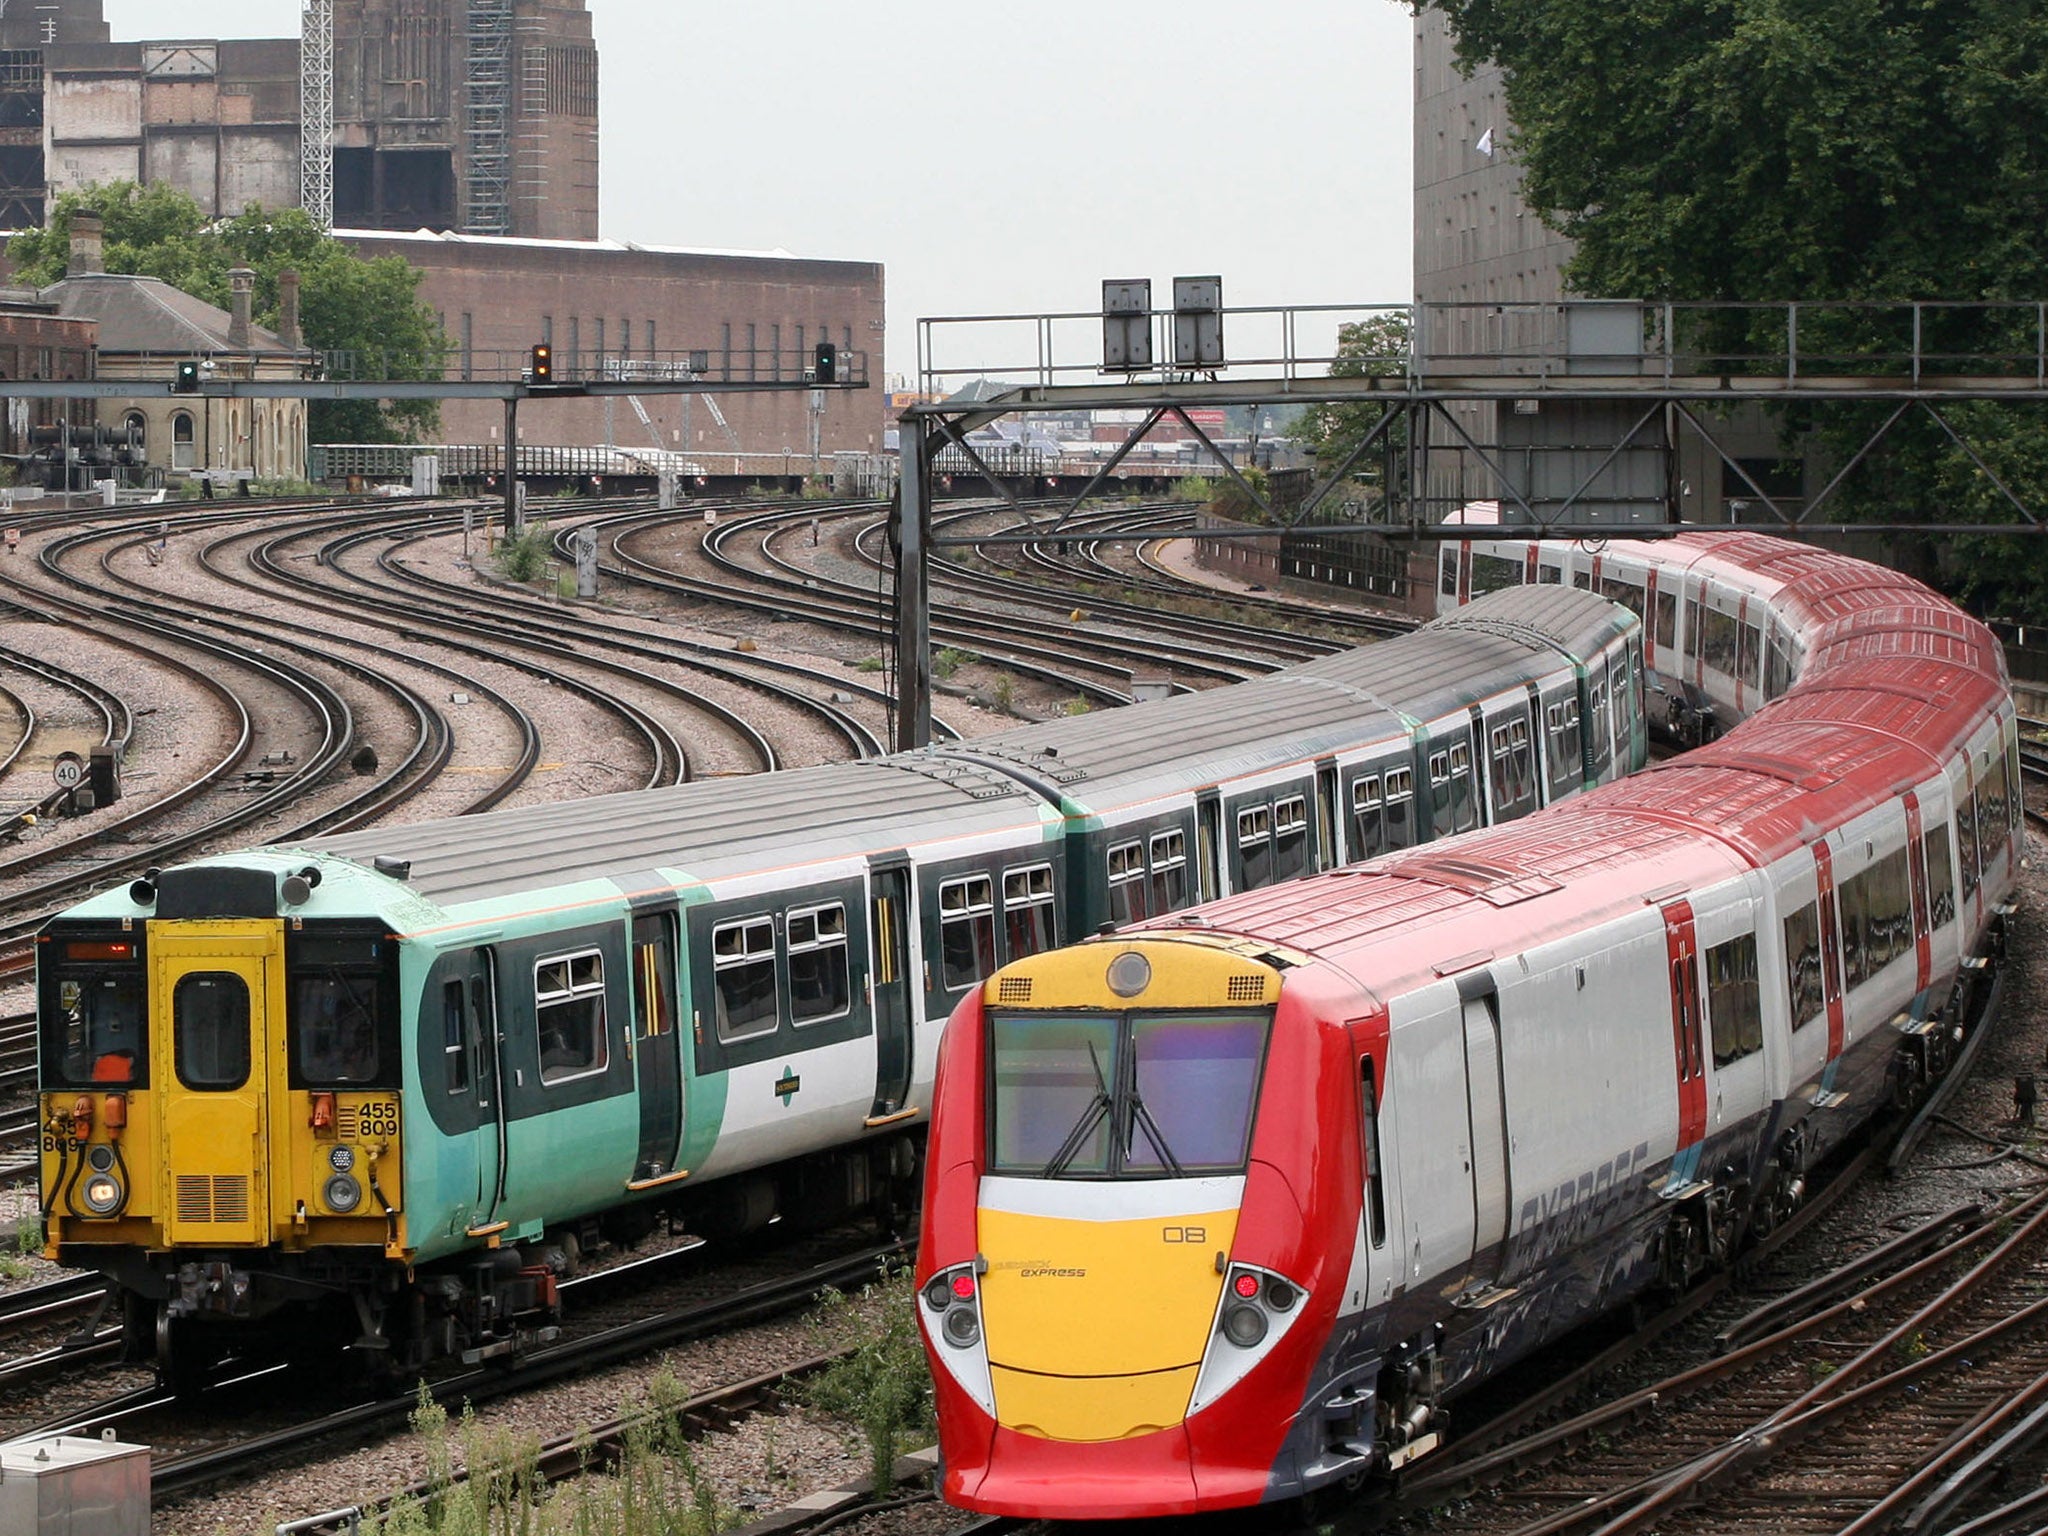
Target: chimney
<point x="243" y="283"/>
<point x="288" y="309"/>
<point x="88" y="245"/>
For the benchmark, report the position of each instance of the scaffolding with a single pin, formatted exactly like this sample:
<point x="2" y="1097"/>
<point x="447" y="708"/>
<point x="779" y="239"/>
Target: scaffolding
<point x="316" y="111"/>
<point x="487" y="119"/>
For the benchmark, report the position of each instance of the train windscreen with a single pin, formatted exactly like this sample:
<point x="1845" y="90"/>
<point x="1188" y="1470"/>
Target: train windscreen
<point x="94" y="1008"/>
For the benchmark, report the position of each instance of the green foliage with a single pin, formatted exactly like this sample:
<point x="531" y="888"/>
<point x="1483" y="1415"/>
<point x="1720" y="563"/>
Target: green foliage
<point x="1231" y="501"/>
<point x="869" y="664"/>
<point x="1077" y="705"/>
<point x="1003" y="692"/>
<point x="526" y="557"/>
<point x="368" y="312"/>
<point x="1199" y="489"/>
<point x="882" y="1384"/>
<point x="1376" y="347"/>
<point x="947" y="661"/>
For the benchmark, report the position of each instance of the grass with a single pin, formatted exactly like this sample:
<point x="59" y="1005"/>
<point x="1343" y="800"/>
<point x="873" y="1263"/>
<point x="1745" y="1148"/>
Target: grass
<point x="882" y="1386"/>
<point x="526" y="557"/>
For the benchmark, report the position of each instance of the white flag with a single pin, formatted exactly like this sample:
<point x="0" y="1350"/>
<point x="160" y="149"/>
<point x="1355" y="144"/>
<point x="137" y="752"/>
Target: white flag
<point x="1485" y="144"/>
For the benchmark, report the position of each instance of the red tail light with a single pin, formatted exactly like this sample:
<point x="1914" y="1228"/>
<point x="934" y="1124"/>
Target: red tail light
<point x="323" y="1112"/>
<point x="1246" y="1286"/>
<point x="963" y="1285"/>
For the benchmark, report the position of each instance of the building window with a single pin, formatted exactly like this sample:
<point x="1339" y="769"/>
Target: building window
<point x="183" y="449"/>
<point x="136" y="427"/>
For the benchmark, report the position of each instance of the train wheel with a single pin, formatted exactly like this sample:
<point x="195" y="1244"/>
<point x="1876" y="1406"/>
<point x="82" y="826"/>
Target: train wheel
<point x="185" y="1355"/>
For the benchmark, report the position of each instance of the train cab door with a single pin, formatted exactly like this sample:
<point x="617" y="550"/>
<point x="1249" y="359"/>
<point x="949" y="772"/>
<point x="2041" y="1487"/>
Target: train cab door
<point x="216" y="1003"/>
<point x="480" y="1043"/>
<point x="895" y="1043"/>
<point x="1486" y="1104"/>
<point x="1688" y="1044"/>
<point x="657" y="1057"/>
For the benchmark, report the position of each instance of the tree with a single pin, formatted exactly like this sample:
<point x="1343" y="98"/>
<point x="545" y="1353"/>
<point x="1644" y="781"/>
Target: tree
<point x="1376" y="347"/>
<point x="1767" y="150"/>
<point x="365" y="313"/>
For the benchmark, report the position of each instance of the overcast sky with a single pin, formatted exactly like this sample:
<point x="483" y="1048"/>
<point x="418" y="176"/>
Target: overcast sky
<point x="996" y="159"/>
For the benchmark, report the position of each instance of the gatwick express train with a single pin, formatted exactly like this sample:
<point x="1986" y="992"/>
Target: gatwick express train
<point x="1228" y="1207"/>
<point x="380" y="1088"/>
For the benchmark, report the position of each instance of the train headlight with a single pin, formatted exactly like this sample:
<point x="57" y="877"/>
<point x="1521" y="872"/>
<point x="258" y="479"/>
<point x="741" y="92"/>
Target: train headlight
<point x="341" y="1159"/>
<point x="103" y="1194"/>
<point x="1256" y="1310"/>
<point x="952" y="1321"/>
<point x="962" y="1327"/>
<point x="1129" y="974"/>
<point x="343" y="1194"/>
<point x="1244" y="1325"/>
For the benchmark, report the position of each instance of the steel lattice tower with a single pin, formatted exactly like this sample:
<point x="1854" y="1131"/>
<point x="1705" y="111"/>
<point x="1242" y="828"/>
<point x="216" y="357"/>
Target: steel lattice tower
<point x="316" y="111"/>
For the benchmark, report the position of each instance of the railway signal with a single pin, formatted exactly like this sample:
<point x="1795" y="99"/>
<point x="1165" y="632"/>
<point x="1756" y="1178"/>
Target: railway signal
<point x="541" y="365"/>
<point x="826" y="363"/>
<point x="187" y="382"/>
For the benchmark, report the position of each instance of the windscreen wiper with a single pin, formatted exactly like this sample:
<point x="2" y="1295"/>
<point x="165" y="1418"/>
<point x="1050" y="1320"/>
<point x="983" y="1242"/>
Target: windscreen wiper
<point x="1084" y="1127"/>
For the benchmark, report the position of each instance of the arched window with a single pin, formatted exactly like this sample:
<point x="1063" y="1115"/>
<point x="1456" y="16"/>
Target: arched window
<point x="183" y="455"/>
<point x="135" y="427"/>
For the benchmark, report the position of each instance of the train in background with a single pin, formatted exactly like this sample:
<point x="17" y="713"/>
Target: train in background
<point x="1229" y="1208"/>
<point x="378" y="1090"/>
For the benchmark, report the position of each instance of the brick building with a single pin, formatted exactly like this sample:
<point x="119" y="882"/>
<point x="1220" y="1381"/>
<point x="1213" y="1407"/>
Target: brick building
<point x="37" y="342"/>
<point x="753" y="315"/>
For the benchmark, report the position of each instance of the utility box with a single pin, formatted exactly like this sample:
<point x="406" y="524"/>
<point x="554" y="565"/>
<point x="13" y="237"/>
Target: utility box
<point x="104" y="774"/>
<point x="70" y="1486"/>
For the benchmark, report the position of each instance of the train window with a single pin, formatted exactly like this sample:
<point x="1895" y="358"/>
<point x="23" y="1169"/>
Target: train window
<point x="1802" y="965"/>
<point x="454" y="1042"/>
<point x="1994" y="822"/>
<point x="1550" y="575"/>
<point x="967" y="931"/>
<point x="1193" y="1082"/>
<point x="1290" y="837"/>
<point x="2014" y="798"/>
<point x="1375" y="1195"/>
<point x="1851" y="900"/>
<point x="1400" y="804"/>
<point x="1051" y="1075"/>
<point x="210" y="1029"/>
<point x="1627" y="593"/>
<point x="1692" y="628"/>
<point x="1027" y="911"/>
<point x="1718" y="632"/>
<point x="1169" y="871"/>
<point x="1966" y="842"/>
<point x="1440" y="792"/>
<point x="1368" y="823"/>
<point x="818" y="976"/>
<point x="568" y="1015"/>
<point x="1941" y="878"/>
<point x="1877" y="916"/>
<point x="1566" y="748"/>
<point x="1447" y="565"/>
<point x="1752" y="655"/>
<point x="1255" y="845"/>
<point x="101" y="1018"/>
<point x="654" y="965"/>
<point x="1490" y="573"/>
<point x="743" y="961"/>
<point x="334" y="1022"/>
<point x="1127" y="883"/>
<point x="1583" y="580"/>
<point x="1735" y="1005"/>
<point x="1777" y="666"/>
<point x="1464" y="794"/>
<point x="1667" y="619"/>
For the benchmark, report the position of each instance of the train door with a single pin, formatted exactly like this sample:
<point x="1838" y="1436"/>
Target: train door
<point x="1830" y="948"/>
<point x="479" y="1044"/>
<point x="1327" y="830"/>
<point x="1681" y="946"/>
<point x="657" y="1051"/>
<point x="216" y="1002"/>
<point x="894" y="1046"/>
<point x="1486" y="1106"/>
<point x="1916" y="870"/>
<point x="1209" y="842"/>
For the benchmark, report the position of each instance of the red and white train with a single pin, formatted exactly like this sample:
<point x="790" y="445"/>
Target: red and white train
<point x="1226" y="1208"/>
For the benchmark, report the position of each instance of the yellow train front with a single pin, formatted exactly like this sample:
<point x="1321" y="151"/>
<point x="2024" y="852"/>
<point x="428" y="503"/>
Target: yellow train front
<point x="220" y="1106"/>
<point x="1126" y="1277"/>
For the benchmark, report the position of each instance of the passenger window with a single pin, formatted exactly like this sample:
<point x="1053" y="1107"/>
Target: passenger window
<point x="1169" y="871"/>
<point x="1027" y="911"/>
<point x="1966" y="843"/>
<point x="1549" y="575"/>
<point x="967" y="931"/>
<point x="568" y="1014"/>
<point x="1464" y="793"/>
<point x="454" y="1042"/>
<point x="818" y="973"/>
<point x="1400" y="807"/>
<point x="1127" y="883"/>
<point x="743" y="963"/>
<point x="1941" y="878"/>
<point x="1667" y="619"/>
<point x="1255" y="846"/>
<point x="210" y="1030"/>
<point x="1802" y="965"/>
<point x="1567" y="751"/>
<point x="1735" y="1000"/>
<point x="1290" y="838"/>
<point x="1368" y="828"/>
<point x="1440" y="792"/>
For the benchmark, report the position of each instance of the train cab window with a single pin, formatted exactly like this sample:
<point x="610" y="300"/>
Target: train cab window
<point x="1941" y="878"/>
<point x="1193" y="1083"/>
<point x="1375" y="1194"/>
<point x="210" y="1029"/>
<point x="967" y="931"/>
<point x="454" y="1038"/>
<point x="1667" y="619"/>
<point x="1802" y="965"/>
<point x="1127" y="883"/>
<point x="743" y="962"/>
<point x="1290" y="837"/>
<point x="334" y="1022"/>
<point x="1027" y="911"/>
<point x="1051" y="1076"/>
<point x="568" y="1015"/>
<point x="1735" y="1006"/>
<point x="1368" y="820"/>
<point x="1400" y="807"/>
<point x="819" y="988"/>
<point x="1255" y="846"/>
<point x="94" y="1014"/>
<point x="1169" y="871"/>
